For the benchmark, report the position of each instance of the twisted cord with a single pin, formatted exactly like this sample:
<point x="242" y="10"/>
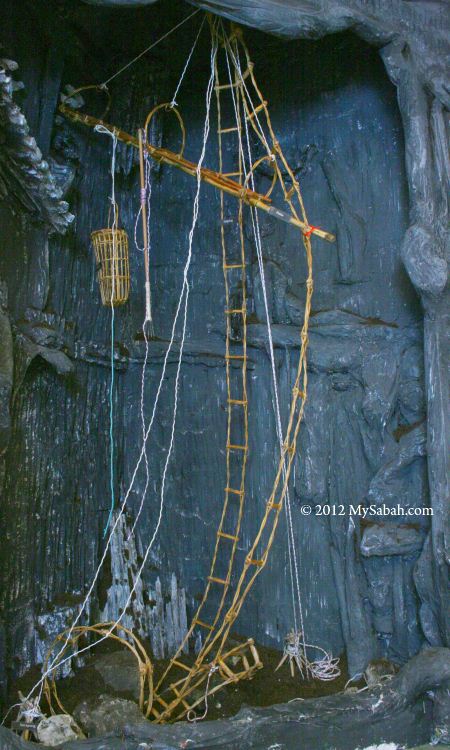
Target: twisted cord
<point x="173" y="102"/>
<point x="105" y="131"/>
<point x="147" y="49"/>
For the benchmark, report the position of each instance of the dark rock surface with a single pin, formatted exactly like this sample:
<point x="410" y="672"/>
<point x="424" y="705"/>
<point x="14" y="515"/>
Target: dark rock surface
<point x="119" y="671"/>
<point x="400" y="712"/>
<point x="373" y="171"/>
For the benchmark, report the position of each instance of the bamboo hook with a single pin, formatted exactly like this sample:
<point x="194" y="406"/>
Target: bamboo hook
<point x="94" y="87"/>
<point x="272" y="162"/>
<point x="168" y="107"/>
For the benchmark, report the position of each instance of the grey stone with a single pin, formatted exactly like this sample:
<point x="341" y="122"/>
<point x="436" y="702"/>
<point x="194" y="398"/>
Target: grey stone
<point x="56" y="730"/>
<point x="390" y="539"/>
<point x="33" y="185"/>
<point x="108" y="715"/>
<point x="119" y="671"/>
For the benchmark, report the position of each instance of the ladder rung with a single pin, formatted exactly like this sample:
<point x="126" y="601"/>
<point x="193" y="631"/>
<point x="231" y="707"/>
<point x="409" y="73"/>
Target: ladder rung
<point x="258" y="563"/>
<point x="234" y="492"/>
<point x="181" y="665"/>
<point x="224" y="86"/>
<point x="177" y="693"/>
<point x="227" y="266"/>
<point x="236" y="311"/>
<point x="227" y="536"/>
<point x="162" y="701"/>
<point x="232" y="447"/>
<point x="256" y="110"/>
<point x="231" y="174"/>
<point x="222" y="581"/>
<point x="236" y="356"/>
<point x="239" y="402"/>
<point x="229" y="130"/>
<point x="225" y="668"/>
<point x="203" y="624"/>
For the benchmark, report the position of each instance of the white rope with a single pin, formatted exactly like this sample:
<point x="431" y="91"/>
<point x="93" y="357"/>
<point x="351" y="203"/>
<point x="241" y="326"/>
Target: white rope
<point x="144" y="52"/>
<point x="148" y="303"/>
<point x="191" y="715"/>
<point x="184" y="294"/>
<point x="144" y="367"/>
<point x="324" y="668"/>
<point x="28" y="712"/>
<point x="112" y="133"/>
<point x="173" y="103"/>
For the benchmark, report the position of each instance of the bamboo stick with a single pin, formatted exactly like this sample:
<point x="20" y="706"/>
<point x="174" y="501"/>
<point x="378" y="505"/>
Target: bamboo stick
<point x="217" y="180"/>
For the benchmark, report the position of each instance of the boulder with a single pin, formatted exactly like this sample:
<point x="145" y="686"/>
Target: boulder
<point x="107" y="715"/>
<point x="120" y="671"/>
<point x="57" y="729"/>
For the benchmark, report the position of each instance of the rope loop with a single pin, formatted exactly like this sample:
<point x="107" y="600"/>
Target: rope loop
<point x="191" y="716"/>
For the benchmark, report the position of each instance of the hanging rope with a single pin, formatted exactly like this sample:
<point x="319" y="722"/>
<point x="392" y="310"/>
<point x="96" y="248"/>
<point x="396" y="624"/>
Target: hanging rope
<point x="111" y="133"/>
<point x="147" y="49"/>
<point x="191" y="715"/>
<point x="146" y="339"/>
<point x="173" y="102"/>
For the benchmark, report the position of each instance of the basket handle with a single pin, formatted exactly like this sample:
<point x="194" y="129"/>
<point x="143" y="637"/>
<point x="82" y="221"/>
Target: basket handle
<point x="97" y="87"/>
<point x="168" y="107"/>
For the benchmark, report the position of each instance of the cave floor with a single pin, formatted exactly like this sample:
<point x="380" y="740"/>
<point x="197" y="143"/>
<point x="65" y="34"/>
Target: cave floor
<point x="265" y="689"/>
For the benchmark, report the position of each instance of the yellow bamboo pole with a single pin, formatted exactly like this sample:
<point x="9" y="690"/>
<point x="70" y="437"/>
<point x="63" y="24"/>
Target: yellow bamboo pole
<point x="215" y="179"/>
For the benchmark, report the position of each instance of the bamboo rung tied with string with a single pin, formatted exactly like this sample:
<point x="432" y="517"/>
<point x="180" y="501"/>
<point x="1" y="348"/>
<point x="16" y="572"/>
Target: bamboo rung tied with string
<point x="113" y="266"/>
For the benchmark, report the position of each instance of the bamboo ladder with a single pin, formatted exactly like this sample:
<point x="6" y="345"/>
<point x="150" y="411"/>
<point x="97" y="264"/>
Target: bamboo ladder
<point x="213" y="652"/>
<point x="227" y="535"/>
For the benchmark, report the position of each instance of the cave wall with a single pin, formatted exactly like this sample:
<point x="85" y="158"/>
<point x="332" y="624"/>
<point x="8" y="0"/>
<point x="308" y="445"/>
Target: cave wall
<point x="364" y="433"/>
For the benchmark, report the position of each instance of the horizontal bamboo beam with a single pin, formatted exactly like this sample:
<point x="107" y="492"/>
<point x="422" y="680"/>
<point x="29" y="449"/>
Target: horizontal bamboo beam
<point x="215" y="179"/>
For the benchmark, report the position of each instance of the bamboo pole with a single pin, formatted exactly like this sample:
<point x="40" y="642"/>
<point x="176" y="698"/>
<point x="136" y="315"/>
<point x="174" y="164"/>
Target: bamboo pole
<point x="215" y="179"/>
<point x="148" y="304"/>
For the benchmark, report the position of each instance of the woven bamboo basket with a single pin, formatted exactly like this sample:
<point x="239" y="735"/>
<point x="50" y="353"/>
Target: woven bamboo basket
<point x="113" y="268"/>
